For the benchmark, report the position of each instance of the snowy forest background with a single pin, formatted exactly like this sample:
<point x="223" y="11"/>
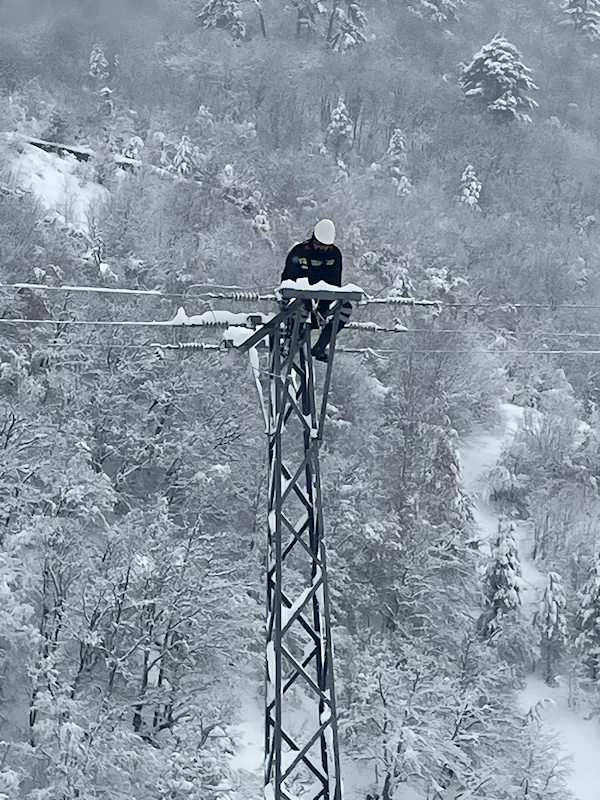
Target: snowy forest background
<point x="209" y="137"/>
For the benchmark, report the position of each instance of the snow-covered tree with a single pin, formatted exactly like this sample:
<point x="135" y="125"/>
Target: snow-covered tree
<point x="184" y="162"/>
<point x="308" y="11"/>
<point x="98" y="69"/>
<point x="340" y="131"/>
<point x="502" y="585"/>
<point x="392" y="268"/>
<point x="396" y="151"/>
<point x="470" y="188"/>
<point x="239" y="192"/>
<point x="441" y="11"/>
<point x="498" y="78"/>
<point x="225" y="14"/>
<point x="262" y="226"/>
<point x="443" y="481"/>
<point x="588" y="621"/>
<point x="583" y="15"/>
<point x="394" y="163"/>
<point x="107" y="104"/>
<point x="540" y="771"/>
<point x="551" y="621"/>
<point x="347" y="28"/>
<point x="132" y="148"/>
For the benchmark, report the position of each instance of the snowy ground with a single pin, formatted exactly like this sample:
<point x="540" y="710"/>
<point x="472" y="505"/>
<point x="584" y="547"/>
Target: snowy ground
<point x="54" y="181"/>
<point x="358" y="778"/>
<point x="579" y="737"/>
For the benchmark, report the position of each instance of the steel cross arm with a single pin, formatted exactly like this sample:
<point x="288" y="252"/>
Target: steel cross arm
<point x="298" y="623"/>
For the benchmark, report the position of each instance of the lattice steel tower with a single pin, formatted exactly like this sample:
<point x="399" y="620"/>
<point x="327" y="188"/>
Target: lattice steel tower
<point x="299" y="672"/>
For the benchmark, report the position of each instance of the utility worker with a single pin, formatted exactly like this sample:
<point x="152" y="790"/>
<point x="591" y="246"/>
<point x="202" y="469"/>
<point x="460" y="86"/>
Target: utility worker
<point x="318" y="259"/>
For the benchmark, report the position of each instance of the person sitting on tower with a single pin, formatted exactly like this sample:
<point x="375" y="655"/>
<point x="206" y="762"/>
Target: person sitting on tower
<point x="318" y="259"/>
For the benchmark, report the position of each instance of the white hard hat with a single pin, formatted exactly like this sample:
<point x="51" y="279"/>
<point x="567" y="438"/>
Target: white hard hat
<point x="325" y="231"/>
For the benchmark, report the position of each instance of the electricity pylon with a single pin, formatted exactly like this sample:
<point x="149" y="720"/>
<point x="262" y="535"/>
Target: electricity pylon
<point x="301" y="736"/>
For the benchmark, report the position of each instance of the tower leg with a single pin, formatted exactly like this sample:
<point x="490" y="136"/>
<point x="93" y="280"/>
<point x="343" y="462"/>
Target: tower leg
<point x="299" y="671"/>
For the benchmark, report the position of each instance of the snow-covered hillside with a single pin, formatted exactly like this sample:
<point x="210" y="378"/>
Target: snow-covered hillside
<point x="55" y="181"/>
<point x="578" y="734"/>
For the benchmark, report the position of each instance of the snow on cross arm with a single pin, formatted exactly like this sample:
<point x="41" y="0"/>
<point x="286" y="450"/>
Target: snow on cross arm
<point x="302" y="285"/>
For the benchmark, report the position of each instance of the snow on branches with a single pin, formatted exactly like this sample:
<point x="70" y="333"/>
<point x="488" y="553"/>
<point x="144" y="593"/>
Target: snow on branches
<point x="470" y="188"/>
<point x="223" y="14"/>
<point x="551" y="622"/>
<point x="441" y="11"/>
<point x="583" y="15"/>
<point x="588" y="620"/>
<point x="340" y="131"/>
<point x="307" y="13"/>
<point x="396" y="159"/>
<point x="347" y="28"/>
<point x="498" y="78"/>
<point x="502" y="585"/>
<point x="99" y="69"/>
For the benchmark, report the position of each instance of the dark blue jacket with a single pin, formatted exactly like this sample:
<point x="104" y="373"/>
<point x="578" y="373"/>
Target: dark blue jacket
<point x="305" y="260"/>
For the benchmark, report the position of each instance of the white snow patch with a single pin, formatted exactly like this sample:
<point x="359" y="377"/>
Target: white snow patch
<point x="288" y="613"/>
<point x="479" y="454"/>
<point x="302" y="284"/>
<point x="579" y="737"/>
<point x="377" y="387"/>
<point x="237" y="335"/>
<point x="250" y="735"/>
<point x="51" y="179"/>
<point x="218" y="317"/>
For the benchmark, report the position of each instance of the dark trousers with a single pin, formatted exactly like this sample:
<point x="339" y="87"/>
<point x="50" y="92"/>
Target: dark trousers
<point x="324" y="311"/>
<point x="327" y="331"/>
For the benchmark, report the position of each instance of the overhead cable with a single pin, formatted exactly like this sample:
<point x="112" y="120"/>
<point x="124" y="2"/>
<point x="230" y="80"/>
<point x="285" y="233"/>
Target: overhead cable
<point x="237" y="293"/>
<point x="241" y="294"/>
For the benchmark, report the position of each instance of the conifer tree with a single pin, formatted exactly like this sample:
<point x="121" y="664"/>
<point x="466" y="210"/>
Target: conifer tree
<point x="183" y="161"/>
<point x="347" y="28"/>
<point x="502" y="585"/>
<point x="394" y="163"/>
<point x="552" y="623"/>
<point x="498" y="78"/>
<point x="470" y="188"/>
<point x="395" y="160"/>
<point x="106" y="102"/>
<point x="223" y="14"/>
<point x="583" y="15"/>
<point x="98" y="69"/>
<point x="588" y="619"/>
<point x="340" y="131"/>
<point x="397" y="147"/>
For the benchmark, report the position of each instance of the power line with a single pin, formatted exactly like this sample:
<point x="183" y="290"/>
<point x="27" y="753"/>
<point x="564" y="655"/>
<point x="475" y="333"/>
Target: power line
<point x="367" y="327"/>
<point x="373" y="327"/>
<point x="501" y="352"/>
<point x="241" y="294"/>
<point x="101" y="323"/>
<point x="104" y="347"/>
<point x="220" y="346"/>
<point x="237" y="293"/>
<point x="500" y="305"/>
